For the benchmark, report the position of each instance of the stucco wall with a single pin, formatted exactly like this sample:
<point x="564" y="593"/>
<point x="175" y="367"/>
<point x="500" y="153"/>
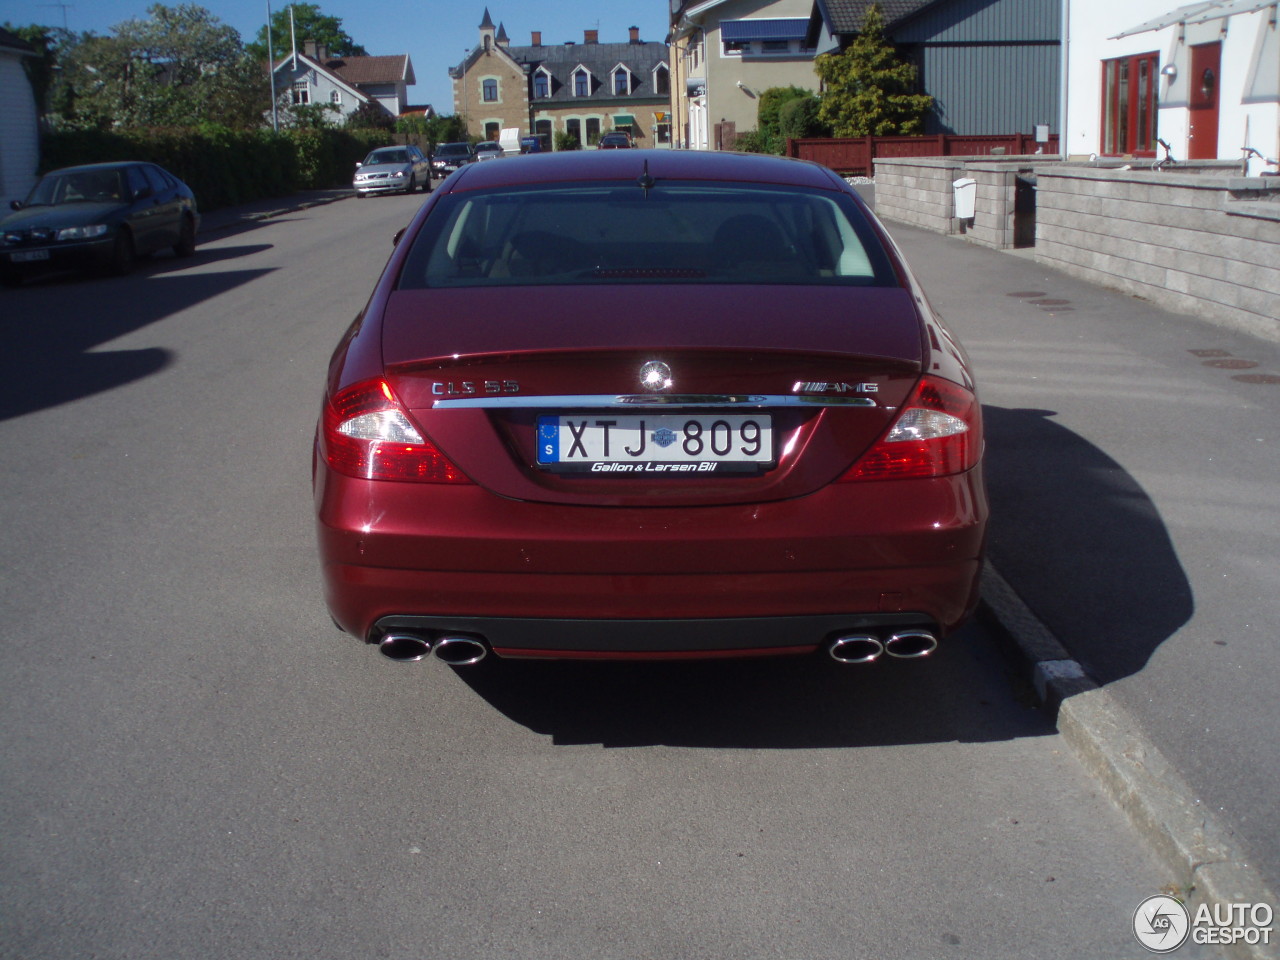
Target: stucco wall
<point x="1249" y="88"/>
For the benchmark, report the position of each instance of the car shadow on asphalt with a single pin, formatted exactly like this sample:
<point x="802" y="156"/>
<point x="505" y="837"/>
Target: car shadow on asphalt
<point x="50" y="327"/>
<point x="962" y="692"/>
<point x="1081" y="543"/>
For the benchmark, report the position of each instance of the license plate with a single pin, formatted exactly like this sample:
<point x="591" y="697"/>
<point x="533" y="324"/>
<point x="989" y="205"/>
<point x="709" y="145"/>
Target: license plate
<point x="673" y="444"/>
<point x="27" y="256"/>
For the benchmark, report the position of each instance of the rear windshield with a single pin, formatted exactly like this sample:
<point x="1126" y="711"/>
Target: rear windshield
<point x="674" y="232"/>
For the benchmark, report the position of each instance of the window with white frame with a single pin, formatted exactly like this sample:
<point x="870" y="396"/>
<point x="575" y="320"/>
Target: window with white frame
<point x="661" y="80"/>
<point x="581" y="82"/>
<point x="489" y="90"/>
<point x="621" y="81"/>
<point x="335" y="97"/>
<point x="541" y="84"/>
<point x="300" y="95"/>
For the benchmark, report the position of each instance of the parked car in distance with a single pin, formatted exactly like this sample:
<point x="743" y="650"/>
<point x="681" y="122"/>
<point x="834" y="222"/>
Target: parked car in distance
<point x="97" y="216"/>
<point x="768" y="444"/>
<point x="448" y="157"/>
<point x="489" y="150"/>
<point x="392" y="170"/>
<point x="616" y="140"/>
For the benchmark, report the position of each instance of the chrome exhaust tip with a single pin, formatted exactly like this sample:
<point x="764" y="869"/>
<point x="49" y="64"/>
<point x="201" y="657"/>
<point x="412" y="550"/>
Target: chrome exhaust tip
<point x="404" y="647"/>
<point x="460" y="651"/>
<point x="910" y="644"/>
<point x="855" y="648"/>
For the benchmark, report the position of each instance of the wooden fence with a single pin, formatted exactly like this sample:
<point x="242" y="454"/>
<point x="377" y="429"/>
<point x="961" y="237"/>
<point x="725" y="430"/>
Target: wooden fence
<point x="855" y="156"/>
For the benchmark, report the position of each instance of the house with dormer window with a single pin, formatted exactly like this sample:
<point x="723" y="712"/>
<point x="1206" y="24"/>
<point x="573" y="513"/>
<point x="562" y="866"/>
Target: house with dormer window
<point x="313" y="76"/>
<point x="582" y="89"/>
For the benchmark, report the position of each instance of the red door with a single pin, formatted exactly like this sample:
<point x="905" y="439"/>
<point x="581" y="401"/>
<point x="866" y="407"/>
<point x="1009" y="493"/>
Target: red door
<point x="1206" y="63"/>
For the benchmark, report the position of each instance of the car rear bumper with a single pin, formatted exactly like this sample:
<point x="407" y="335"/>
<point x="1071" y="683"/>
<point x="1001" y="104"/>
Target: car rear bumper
<point x="619" y="581"/>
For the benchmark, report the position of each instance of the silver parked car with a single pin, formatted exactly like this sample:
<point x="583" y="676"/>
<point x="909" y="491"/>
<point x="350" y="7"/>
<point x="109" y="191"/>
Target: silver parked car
<point x="392" y="170"/>
<point x="489" y="150"/>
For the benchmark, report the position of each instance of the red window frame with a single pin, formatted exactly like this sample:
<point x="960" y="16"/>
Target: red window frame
<point x="1130" y="103"/>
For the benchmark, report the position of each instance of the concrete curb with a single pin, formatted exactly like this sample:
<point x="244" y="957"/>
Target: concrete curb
<point x="1160" y="804"/>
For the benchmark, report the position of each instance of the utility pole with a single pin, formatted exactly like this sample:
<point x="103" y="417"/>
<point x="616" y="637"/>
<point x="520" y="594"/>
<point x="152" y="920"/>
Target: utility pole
<point x="271" y="72"/>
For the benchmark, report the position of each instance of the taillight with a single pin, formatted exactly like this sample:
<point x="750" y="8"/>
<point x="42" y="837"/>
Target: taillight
<point x="938" y="433"/>
<point x="368" y="435"/>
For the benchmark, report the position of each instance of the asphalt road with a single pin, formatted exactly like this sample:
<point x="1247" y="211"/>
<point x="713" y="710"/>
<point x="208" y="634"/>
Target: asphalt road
<point x="197" y="765"/>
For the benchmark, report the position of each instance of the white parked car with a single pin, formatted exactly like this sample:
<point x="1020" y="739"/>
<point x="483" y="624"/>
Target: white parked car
<point x="392" y="170"/>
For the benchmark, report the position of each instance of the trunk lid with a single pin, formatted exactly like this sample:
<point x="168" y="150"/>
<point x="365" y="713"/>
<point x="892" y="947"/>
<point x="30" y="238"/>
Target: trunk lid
<point x="821" y="370"/>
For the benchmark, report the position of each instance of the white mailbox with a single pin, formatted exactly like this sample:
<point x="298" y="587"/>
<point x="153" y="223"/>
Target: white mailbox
<point x="966" y="196"/>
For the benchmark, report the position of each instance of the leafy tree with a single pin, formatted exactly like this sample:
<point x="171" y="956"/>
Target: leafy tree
<point x="868" y="91"/>
<point x="437" y="129"/>
<point x="42" y="70"/>
<point x="179" y="66"/>
<point x="309" y="23"/>
<point x="307" y="116"/>
<point x="370" y="116"/>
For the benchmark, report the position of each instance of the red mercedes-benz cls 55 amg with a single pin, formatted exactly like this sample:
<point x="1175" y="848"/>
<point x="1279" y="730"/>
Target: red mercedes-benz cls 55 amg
<point x="649" y="404"/>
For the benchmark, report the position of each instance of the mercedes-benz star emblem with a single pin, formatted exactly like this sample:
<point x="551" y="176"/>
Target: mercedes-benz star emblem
<point x="655" y="375"/>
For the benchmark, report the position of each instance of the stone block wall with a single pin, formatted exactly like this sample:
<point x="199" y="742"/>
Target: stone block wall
<point x="1200" y="244"/>
<point x="919" y="192"/>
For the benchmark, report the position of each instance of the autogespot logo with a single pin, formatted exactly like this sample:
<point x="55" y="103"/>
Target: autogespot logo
<point x="1161" y="924"/>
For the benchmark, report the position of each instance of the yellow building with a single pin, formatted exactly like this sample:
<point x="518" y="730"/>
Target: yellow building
<point x="583" y="89"/>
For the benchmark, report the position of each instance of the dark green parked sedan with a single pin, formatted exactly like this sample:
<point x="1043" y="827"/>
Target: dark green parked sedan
<point x="101" y="216"/>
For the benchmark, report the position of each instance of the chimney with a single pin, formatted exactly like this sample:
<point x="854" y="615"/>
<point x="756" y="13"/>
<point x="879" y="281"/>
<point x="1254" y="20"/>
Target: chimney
<point x="590" y="36"/>
<point x="309" y="48"/>
<point x="635" y="34"/>
<point x="537" y="38"/>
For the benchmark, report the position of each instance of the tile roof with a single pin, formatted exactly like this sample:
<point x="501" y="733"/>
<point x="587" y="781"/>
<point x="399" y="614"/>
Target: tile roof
<point x="845" y="16"/>
<point x="357" y="70"/>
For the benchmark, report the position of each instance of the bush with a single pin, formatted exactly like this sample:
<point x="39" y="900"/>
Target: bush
<point x="800" y="118"/>
<point x="566" y="141"/>
<point x="225" y="167"/>
<point x="753" y="141"/>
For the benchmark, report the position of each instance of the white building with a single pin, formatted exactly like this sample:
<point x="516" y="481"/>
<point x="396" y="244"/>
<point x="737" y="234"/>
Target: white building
<point x="19" y="122"/>
<point x="1204" y="78"/>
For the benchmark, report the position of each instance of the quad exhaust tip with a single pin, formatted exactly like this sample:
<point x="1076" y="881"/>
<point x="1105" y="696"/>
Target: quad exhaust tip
<point x="867" y="647"/>
<point x="460" y="651"/>
<point x="856" y="648"/>
<point x="453" y="650"/>
<point x="910" y="644"/>
<point x="404" y="647"/>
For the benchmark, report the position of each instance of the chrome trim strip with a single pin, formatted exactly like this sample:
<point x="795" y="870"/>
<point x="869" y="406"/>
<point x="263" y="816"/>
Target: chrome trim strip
<point x="641" y="402"/>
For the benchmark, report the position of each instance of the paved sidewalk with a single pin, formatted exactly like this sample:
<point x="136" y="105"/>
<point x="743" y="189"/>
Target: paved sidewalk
<point x="1134" y="469"/>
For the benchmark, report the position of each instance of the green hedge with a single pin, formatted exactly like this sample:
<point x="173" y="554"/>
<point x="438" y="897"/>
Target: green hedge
<point x="225" y="167"/>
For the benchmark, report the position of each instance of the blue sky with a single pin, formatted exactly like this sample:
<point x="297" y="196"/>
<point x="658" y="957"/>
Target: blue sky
<point x="435" y="33"/>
